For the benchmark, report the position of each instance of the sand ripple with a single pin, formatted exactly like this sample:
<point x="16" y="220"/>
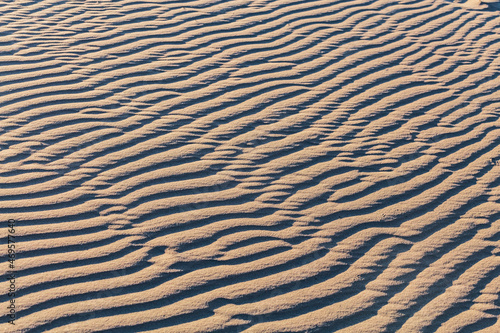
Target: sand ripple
<point x="252" y="166"/>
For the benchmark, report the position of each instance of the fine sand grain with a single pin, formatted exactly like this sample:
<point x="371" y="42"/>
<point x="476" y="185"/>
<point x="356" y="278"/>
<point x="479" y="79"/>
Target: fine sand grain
<point x="251" y="165"/>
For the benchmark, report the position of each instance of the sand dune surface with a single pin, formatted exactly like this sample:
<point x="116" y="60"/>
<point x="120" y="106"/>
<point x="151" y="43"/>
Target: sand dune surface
<point x="250" y="165"/>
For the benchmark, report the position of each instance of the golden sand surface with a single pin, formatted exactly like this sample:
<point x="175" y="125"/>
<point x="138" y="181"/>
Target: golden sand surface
<point x="250" y="166"/>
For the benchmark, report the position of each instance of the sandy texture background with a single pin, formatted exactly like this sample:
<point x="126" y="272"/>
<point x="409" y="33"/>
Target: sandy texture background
<point x="251" y="166"/>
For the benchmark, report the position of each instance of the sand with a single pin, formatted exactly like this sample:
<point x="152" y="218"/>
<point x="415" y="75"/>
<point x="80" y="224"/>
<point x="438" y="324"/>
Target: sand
<point x="250" y="165"/>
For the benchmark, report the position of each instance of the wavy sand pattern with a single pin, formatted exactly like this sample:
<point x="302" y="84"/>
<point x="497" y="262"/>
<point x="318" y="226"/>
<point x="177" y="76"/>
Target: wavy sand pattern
<point x="252" y="166"/>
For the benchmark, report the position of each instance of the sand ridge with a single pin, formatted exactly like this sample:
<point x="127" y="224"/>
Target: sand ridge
<point x="251" y="166"/>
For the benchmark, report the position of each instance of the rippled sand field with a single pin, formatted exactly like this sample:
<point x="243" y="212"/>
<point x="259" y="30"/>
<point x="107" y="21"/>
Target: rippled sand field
<point x="251" y="165"/>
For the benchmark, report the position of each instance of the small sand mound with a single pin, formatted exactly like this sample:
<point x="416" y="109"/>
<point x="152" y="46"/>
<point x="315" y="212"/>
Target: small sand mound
<point x="479" y="4"/>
